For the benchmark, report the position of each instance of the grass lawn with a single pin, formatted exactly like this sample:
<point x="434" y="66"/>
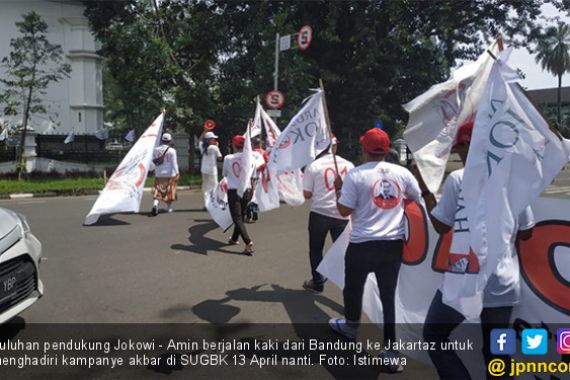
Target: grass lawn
<point x="73" y="185"/>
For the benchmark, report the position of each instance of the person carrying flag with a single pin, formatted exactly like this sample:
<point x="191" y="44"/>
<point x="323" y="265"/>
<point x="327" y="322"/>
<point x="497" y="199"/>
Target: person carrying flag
<point x="166" y="174"/>
<point x="237" y="205"/>
<point x="503" y="288"/>
<point x="324" y="218"/>
<point x="377" y="236"/>
<point x="209" y="148"/>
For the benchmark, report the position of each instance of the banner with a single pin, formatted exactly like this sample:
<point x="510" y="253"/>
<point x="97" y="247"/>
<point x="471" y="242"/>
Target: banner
<point x="436" y="115"/>
<point x="247" y="165"/>
<point x="256" y="126"/>
<point x="217" y="205"/>
<point x="266" y="195"/>
<point x="513" y="157"/>
<point x="544" y="273"/>
<point x="124" y="190"/>
<point x="304" y="138"/>
<point x="272" y="132"/>
<point x="290" y="187"/>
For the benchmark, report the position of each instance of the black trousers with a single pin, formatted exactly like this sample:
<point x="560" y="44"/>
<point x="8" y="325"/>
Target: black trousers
<point x="383" y="258"/>
<point x="237" y="206"/>
<point x="319" y="227"/>
<point x="440" y="322"/>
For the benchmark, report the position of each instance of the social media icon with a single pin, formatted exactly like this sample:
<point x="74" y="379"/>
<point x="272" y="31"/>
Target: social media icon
<point x="534" y="341"/>
<point x="503" y="341"/>
<point x="563" y="341"/>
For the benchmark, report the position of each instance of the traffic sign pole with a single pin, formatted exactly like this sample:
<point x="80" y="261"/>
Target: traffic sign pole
<point x="276" y="72"/>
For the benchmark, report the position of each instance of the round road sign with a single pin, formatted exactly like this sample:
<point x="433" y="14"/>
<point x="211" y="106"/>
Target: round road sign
<point x="304" y="37"/>
<point x="275" y="99"/>
<point x="209" y="125"/>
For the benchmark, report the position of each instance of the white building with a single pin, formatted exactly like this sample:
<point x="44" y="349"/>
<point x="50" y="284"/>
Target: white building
<point x="74" y="103"/>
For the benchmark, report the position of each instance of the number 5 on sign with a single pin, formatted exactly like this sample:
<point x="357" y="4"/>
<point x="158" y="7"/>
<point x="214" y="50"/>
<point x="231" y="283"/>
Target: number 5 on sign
<point x="304" y="37"/>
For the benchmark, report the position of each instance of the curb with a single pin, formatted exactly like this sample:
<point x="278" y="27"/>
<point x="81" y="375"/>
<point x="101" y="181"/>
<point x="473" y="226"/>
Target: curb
<point x="53" y="194"/>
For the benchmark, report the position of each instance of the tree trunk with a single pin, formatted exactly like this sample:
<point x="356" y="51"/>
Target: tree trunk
<point x="22" y="159"/>
<point x="559" y="101"/>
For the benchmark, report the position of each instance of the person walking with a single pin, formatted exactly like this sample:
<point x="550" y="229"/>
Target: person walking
<point x="237" y="205"/>
<point x="210" y="151"/>
<point x="376" y="240"/>
<point x="502" y="291"/>
<point x="324" y="218"/>
<point x="166" y="174"/>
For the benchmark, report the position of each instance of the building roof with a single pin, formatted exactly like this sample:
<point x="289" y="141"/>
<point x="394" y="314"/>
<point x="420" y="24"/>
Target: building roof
<point x="549" y="95"/>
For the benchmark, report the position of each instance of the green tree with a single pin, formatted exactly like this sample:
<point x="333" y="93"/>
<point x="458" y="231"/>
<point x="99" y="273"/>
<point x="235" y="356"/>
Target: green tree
<point x="553" y="55"/>
<point x="31" y="66"/>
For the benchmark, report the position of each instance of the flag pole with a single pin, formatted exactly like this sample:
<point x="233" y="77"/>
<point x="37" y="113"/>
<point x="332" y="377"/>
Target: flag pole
<point x="328" y="121"/>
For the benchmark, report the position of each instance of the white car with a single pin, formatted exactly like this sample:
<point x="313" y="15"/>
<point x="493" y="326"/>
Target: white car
<point x="20" y="253"/>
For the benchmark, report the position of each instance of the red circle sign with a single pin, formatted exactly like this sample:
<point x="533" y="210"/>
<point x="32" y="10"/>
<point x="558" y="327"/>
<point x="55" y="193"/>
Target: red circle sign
<point x="275" y="99"/>
<point x="209" y="125"/>
<point x="304" y="37"/>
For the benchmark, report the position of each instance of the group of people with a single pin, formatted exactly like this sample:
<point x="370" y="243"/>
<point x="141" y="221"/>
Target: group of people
<point x="372" y="196"/>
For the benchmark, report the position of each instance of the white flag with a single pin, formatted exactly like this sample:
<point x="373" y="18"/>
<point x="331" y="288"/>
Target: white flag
<point x="436" y="115"/>
<point x="256" y="126"/>
<point x="266" y="194"/>
<point x="70" y="138"/>
<point x="513" y="157"/>
<point x="272" y="132"/>
<point x="217" y="205"/>
<point x="4" y="134"/>
<point x="102" y="134"/>
<point x="124" y="191"/>
<point x="130" y="137"/>
<point x="247" y="165"/>
<point x="290" y="186"/>
<point x="304" y="138"/>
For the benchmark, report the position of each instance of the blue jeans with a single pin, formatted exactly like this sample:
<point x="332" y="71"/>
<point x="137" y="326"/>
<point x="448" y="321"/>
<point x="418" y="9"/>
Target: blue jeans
<point x="319" y="226"/>
<point x="440" y="322"/>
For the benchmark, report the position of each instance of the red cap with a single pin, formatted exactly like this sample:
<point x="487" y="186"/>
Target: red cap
<point x="375" y="141"/>
<point x="238" y="141"/>
<point x="464" y="134"/>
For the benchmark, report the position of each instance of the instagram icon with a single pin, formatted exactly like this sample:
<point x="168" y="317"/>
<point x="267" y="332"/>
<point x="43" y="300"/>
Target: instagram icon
<point x="563" y="341"/>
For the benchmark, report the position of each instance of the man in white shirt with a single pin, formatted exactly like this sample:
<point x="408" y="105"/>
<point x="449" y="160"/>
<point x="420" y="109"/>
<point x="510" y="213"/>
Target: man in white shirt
<point x="209" y="148"/>
<point x="232" y="170"/>
<point x="503" y="288"/>
<point x="324" y="218"/>
<point x="376" y="239"/>
<point x="166" y="174"/>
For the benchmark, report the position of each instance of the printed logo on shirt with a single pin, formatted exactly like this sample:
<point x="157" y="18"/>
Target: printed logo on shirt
<point x="236" y="168"/>
<point x="386" y="193"/>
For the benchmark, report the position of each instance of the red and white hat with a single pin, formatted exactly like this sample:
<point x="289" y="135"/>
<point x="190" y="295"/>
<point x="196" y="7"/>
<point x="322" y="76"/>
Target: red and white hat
<point x="238" y="141"/>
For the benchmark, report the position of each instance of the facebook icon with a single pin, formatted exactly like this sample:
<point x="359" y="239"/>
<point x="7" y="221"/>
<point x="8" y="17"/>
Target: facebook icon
<point x="503" y="341"/>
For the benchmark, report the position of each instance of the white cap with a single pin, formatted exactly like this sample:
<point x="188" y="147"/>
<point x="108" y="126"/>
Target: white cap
<point x="210" y="135"/>
<point x="166" y="137"/>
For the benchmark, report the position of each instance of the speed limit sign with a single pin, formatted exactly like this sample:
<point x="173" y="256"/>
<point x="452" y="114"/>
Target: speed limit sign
<point x="304" y="37"/>
<point x="275" y="99"/>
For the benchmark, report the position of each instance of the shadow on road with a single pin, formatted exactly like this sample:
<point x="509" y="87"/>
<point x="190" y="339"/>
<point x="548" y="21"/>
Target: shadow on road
<point x="200" y="243"/>
<point x="107" y="220"/>
<point x="10" y="329"/>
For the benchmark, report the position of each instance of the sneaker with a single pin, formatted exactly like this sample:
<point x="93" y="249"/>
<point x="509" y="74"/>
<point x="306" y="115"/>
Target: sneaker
<point x="254" y="217"/>
<point x="312" y="287"/>
<point x="233" y="242"/>
<point x="248" y="251"/>
<point x="392" y="358"/>
<point x="340" y="326"/>
<point x="154" y="211"/>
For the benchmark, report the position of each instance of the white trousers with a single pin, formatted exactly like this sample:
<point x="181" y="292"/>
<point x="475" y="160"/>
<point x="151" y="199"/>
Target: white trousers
<point x="208" y="183"/>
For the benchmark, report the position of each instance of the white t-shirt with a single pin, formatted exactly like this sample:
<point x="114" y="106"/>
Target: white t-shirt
<point x="169" y="167"/>
<point x="209" y="163"/>
<point x="319" y="179"/>
<point x="376" y="192"/>
<point x="503" y="287"/>
<point x="232" y="168"/>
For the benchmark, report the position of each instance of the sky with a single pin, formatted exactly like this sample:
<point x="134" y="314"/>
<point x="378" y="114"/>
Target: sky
<point x="522" y="59"/>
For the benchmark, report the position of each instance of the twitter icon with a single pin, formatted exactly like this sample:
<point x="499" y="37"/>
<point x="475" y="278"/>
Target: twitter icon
<point x="534" y="341"/>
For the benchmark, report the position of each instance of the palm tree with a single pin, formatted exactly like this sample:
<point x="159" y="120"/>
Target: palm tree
<point x="552" y="54"/>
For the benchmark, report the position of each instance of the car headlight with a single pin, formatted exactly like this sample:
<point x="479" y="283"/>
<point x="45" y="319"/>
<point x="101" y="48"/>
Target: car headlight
<point x="24" y="226"/>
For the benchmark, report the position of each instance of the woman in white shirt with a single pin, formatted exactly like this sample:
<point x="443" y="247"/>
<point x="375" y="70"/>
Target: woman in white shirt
<point x="210" y="156"/>
<point x="166" y="174"/>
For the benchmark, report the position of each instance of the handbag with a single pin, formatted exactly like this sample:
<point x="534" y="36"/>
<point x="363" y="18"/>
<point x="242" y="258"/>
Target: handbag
<point x="160" y="159"/>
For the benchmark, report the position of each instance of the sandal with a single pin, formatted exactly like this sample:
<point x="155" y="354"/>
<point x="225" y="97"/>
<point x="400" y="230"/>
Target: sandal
<point x="249" y="249"/>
